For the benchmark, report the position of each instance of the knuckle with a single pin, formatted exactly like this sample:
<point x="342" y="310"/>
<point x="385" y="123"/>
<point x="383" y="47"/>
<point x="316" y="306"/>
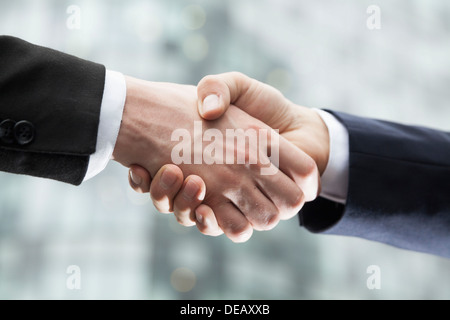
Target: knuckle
<point x="208" y="81"/>
<point x="239" y="233"/>
<point x="310" y="181"/>
<point x="267" y="221"/>
<point x="237" y="75"/>
<point x="272" y="221"/>
<point x="203" y="229"/>
<point x="292" y="205"/>
<point x="311" y="170"/>
<point x="256" y="128"/>
<point x="257" y="162"/>
<point x="297" y="202"/>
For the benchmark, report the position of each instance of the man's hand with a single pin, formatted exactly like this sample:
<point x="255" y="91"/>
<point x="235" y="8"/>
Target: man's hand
<point x="300" y="125"/>
<point x="240" y="197"/>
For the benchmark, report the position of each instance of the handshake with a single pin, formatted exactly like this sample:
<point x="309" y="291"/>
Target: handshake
<point x="231" y="155"/>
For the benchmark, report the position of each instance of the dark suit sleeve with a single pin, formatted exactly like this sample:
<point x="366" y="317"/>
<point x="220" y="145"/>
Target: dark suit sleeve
<point x="49" y="111"/>
<point x="399" y="188"/>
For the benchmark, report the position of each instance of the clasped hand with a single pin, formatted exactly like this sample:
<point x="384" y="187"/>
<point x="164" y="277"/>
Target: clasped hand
<point x="180" y="135"/>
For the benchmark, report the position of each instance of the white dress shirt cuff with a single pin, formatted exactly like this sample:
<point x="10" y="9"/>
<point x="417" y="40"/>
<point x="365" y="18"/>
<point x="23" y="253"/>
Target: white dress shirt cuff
<point x="111" y="112"/>
<point x="334" y="179"/>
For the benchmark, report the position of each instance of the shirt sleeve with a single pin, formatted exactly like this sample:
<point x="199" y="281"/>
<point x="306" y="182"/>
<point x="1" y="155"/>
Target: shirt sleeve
<point x="334" y="180"/>
<point x="111" y="112"/>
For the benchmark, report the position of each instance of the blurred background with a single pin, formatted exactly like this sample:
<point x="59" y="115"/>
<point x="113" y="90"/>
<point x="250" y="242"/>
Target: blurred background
<point x="319" y="53"/>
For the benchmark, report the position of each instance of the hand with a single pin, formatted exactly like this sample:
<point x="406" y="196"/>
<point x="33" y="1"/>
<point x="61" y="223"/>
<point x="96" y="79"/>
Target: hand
<point x="300" y="125"/>
<point x="239" y="196"/>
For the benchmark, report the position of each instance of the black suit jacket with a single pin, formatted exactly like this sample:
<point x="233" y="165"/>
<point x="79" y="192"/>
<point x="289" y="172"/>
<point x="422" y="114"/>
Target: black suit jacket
<point x="399" y="188"/>
<point x="49" y="111"/>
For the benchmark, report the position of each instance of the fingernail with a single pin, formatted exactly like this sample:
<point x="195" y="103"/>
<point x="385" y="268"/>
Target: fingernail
<point x="190" y="190"/>
<point x="168" y="179"/>
<point x="210" y="103"/>
<point x="135" y="178"/>
<point x="199" y="217"/>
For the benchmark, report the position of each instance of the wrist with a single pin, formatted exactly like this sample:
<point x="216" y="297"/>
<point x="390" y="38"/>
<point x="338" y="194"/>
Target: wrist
<point x="322" y="138"/>
<point x="151" y="114"/>
<point x="313" y="136"/>
<point x="131" y="137"/>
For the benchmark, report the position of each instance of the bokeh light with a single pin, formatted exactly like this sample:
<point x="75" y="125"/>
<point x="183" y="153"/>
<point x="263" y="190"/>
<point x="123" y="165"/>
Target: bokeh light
<point x="183" y="279"/>
<point x="194" y="17"/>
<point x="195" y="47"/>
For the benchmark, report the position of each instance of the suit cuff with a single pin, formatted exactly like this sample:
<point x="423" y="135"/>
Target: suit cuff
<point x="334" y="180"/>
<point x="112" y="106"/>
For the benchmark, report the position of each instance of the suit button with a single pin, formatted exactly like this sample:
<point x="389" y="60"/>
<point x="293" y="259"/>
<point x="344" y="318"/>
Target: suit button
<point x="24" y="132"/>
<point x="7" y="131"/>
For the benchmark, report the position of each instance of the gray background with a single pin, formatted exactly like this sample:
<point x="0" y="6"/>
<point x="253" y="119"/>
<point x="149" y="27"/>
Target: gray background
<point x="319" y="54"/>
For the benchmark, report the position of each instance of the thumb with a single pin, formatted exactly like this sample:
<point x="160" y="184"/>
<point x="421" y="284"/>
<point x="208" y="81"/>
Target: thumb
<point x="217" y="92"/>
<point x="213" y="97"/>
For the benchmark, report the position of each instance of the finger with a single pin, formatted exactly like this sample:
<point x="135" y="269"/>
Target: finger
<point x="277" y="186"/>
<point x="235" y="226"/>
<point x="284" y="193"/>
<point x="139" y="179"/>
<point x="263" y="102"/>
<point x="279" y="153"/>
<point x="296" y="164"/>
<point x="276" y="154"/>
<point x="165" y="186"/>
<point x="257" y="208"/>
<point x="206" y="221"/>
<point x="188" y="199"/>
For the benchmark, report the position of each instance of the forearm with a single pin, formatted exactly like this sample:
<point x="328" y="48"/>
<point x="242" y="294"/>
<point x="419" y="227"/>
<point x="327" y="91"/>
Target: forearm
<point x="398" y="187"/>
<point x="60" y="95"/>
<point x="144" y="128"/>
